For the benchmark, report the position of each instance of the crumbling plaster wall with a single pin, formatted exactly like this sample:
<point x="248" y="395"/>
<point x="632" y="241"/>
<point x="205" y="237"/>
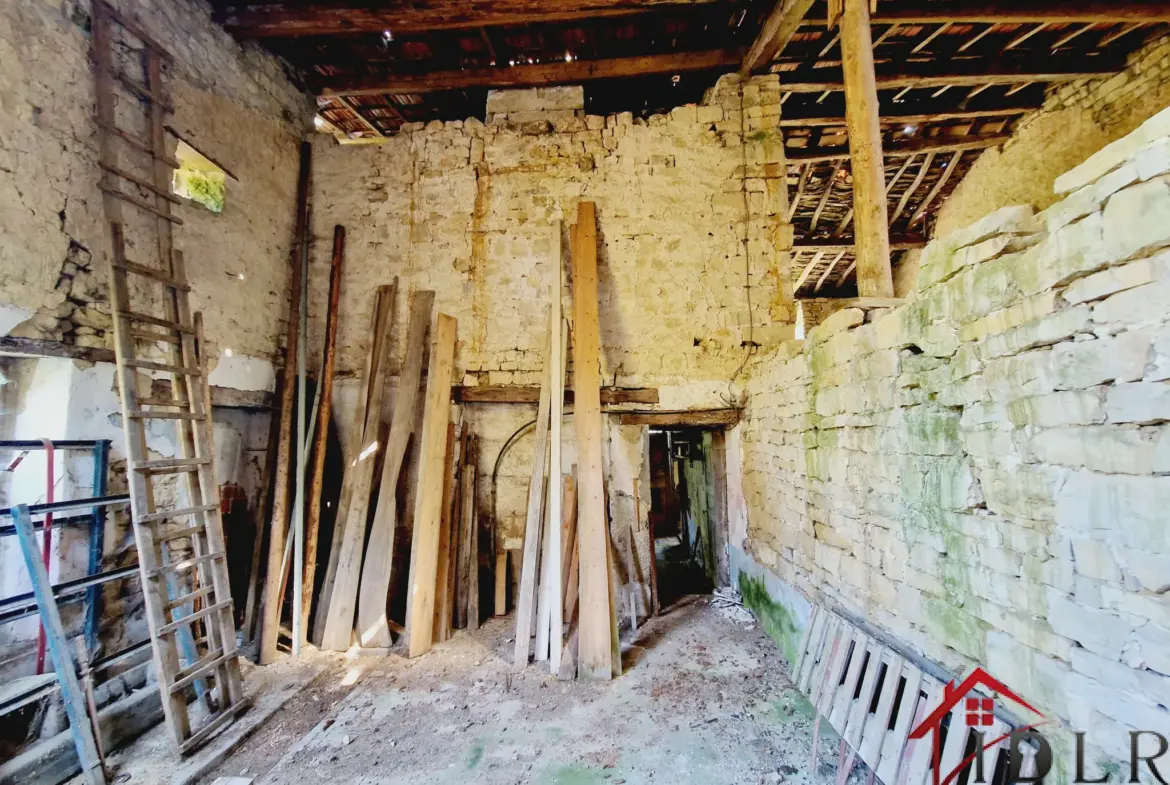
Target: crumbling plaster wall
<point x="479" y="213"/>
<point x="980" y="471"/>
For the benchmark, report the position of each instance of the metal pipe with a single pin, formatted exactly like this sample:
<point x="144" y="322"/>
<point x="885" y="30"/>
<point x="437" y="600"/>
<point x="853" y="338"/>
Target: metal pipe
<point x="27" y="601"/>
<point x="71" y="504"/>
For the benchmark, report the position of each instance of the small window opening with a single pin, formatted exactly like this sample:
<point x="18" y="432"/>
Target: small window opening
<point x="199" y="179"/>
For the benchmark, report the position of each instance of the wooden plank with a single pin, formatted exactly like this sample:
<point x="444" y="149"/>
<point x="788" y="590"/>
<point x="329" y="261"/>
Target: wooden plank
<point x="338" y="631"/>
<point x="467" y="543"/>
<point x="278" y="526"/>
<point x="856" y="721"/>
<point x="922" y="75"/>
<point x="324" y="419"/>
<point x="539" y="75"/>
<point x="560" y="343"/>
<point x="777" y="30"/>
<point x="428" y="505"/>
<point x="518" y="393"/>
<point x="876" y="726"/>
<point x="526" y="601"/>
<point x="917" y="753"/>
<point x="443" y="604"/>
<point x="569" y="563"/>
<point x="356" y="435"/>
<point x="500" y="606"/>
<point x="874" y="276"/>
<point x="812" y="647"/>
<point x="295" y="19"/>
<point x="456" y="501"/>
<point x="1019" y="12"/>
<point x="934" y="144"/>
<point x="838" y="711"/>
<point x="596" y="610"/>
<point x="372" y="626"/>
<point x="473" y="529"/>
<point x="701" y="417"/>
<point x="890" y="754"/>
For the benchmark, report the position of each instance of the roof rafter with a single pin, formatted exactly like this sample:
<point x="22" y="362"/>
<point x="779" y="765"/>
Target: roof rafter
<point x="1004" y="72"/>
<point x="1019" y="12"/>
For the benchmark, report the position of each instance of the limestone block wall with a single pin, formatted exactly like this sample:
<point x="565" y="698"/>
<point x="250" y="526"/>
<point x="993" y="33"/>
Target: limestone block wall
<point x="981" y="470"/>
<point x="690" y="209"/>
<point x="234" y="104"/>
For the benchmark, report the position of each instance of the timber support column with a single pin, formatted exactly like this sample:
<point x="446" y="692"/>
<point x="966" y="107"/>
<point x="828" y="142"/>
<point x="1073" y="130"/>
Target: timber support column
<point x="874" y="278"/>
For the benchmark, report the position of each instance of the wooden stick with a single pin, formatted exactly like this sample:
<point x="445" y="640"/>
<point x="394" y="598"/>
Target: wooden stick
<point x="951" y="166"/>
<point x="532" y="527"/>
<point x="262" y="507"/>
<point x="596" y="612"/>
<point x="428" y="505"/>
<point x="273" y="600"/>
<point x="473" y="528"/>
<point x="874" y="277"/>
<point x="453" y="550"/>
<point x="356" y="433"/>
<point x="342" y="601"/>
<point x="569" y="557"/>
<point x="442" y="598"/>
<point x="555" y="513"/>
<point x="324" y="417"/>
<point x="501" y="599"/>
<point x="914" y="185"/>
<point x="373" y="630"/>
<point x="466" y="534"/>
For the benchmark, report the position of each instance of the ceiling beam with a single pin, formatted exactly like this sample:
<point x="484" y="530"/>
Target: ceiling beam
<point x="1020" y="12"/>
<point x="917" y="75"/>
<point x="834" y="244"/>
<point x="558" y="72"/>
<point x="941" y="144"/>
<point x="287" y="19"/>
<point x="790" y="120"/>
<point x="775" y="34"/>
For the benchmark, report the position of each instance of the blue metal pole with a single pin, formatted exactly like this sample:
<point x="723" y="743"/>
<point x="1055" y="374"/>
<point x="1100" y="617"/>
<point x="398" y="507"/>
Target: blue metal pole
<point x="71" y="694"/>
<point x="97" y="545"/>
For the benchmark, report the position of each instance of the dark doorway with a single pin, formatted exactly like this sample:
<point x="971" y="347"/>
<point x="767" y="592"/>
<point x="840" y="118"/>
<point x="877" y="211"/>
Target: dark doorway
<point x="686" y="510"/>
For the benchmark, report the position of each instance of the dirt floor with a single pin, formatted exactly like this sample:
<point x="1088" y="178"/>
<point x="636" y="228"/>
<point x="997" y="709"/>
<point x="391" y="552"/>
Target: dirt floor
<point x="703" y="699"/>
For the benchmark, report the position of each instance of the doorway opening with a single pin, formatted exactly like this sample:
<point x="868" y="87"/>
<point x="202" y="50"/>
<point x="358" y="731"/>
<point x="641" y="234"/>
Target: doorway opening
<point x="688" y="518"/>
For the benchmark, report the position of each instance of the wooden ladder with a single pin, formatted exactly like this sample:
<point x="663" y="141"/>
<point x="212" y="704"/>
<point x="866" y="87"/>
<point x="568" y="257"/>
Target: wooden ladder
<point x="154" y="332"/>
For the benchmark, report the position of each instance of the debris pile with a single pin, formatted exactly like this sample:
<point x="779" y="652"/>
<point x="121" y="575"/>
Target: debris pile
<point x="730" y="604"/>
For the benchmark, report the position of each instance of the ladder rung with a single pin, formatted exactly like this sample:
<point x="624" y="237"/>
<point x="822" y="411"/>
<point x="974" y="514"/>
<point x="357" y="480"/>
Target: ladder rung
<point x="141" y="183"/>
<point x="213" y="725"/>
<point x="140" y="90"/>
<point x="139" y="414"/>
<point x="194" y="672"/>
<point x="137" y="142"/>
<point x="191" y="618"/>
<point x="169" y="465"/>
<point x="150" y="272"/>
<point x="134" y="316"/>
<point x="153" y="366"/>
<point x="139" y="203"/>
<point x="160" y="402"/>
<point x="186" y="598"/>
<point x="146" y="335"/>
<point x="168" y="514"/>
<point x="194" y="561"/>
<point x="177" y="534"/>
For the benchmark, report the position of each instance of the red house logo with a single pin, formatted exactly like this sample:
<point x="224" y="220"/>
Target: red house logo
<point x="977" y="712"/>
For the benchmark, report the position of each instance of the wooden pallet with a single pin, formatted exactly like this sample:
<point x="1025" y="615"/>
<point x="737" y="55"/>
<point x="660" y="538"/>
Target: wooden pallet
<point x="136" y="177"/>
<point x="873" y="697"/>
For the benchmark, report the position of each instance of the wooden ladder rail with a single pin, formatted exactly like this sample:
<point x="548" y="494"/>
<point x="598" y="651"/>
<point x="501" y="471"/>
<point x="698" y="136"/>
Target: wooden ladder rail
<point x="189" y="386"/>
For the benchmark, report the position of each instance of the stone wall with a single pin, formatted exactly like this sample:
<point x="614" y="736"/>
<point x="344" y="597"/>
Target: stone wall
<point x="980" y="471"/>
<point x="687" y="203"/>
<point x="234" y="104"/>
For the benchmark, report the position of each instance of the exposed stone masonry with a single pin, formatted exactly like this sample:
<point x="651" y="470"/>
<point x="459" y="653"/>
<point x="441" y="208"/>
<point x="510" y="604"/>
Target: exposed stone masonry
<point x="980" y="471"/>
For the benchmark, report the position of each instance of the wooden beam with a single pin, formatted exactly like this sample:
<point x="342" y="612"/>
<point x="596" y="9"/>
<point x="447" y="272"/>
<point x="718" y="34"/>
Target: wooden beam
<point x="894" y="76"/>
<point x="808" y="268"/>
<point x="791" y="120"/>
<point x="557" y="367"/>
<point x="777" y="30"/>
<point x="826" y="195"/>
<point x="914" y="186"/>
<point x="704" y="417"/>
<point x="596" y="618"/>
<point x="874" y="277"/>
<point x="935" y="144"/>
<point x="848" y="219"/>
<point x="284" y="19"/>
<point x="1019" y="12"/>
<point x="829" y="270"/>
<point x="424" y="552"/>
<point x="805" y="171"/>
<point x="558" y="72"/>
<point x="830" y="245"/>
<point x="951" y="166"/>
<point x="519" y="393"/>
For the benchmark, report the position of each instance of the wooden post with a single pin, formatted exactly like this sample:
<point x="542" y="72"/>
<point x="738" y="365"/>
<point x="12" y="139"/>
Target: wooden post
<point x="560" y="339"/>
<point x="372" y="624"/>
<point x="472" y="507"/>
<point x="874" y="278"/>
<point x="324" y="417"/>
<point x="443" y="597"/>
<point x="273" y="600"/>
<point x="595" y="650"/>
<point x="428" y="507"/>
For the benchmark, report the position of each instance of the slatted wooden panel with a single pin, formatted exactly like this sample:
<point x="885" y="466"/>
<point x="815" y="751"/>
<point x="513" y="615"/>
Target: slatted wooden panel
<point x="873" y="697"/>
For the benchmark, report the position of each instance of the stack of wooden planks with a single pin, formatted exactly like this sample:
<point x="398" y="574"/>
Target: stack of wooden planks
<point x="566" y="574"/>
